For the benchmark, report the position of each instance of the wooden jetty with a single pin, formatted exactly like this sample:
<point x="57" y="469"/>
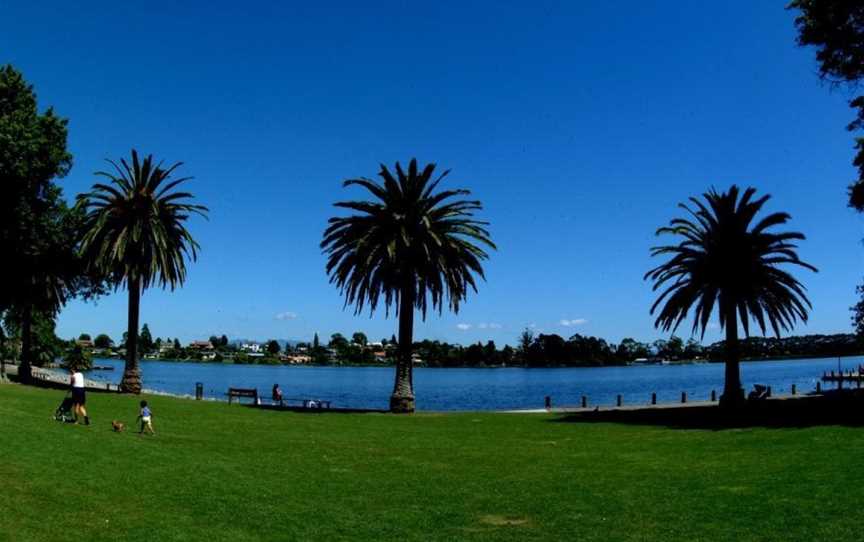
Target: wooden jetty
<point x="839" y="377"/>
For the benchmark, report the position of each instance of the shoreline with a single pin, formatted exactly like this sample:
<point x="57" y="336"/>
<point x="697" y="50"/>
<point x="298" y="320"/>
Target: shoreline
<point x="575" y="410"/>
<point x="565" y="400"/>
<point x="425" y="366"/>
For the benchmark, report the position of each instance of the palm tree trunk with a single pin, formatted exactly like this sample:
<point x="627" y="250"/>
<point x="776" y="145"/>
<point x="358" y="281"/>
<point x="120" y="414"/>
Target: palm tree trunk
<point x="25" y="369"/>
<point x="402" y="399"/>
<point x="131" y="382"/>
<point x="733" y="394"/>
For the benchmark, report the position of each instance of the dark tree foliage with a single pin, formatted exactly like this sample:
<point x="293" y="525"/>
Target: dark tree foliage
<point x="273" y="347"/>
<point x="102" y="341"/>
<point x="526" y="338"/>
<point x="408" y="246"/>
<point x="728" y="260"/>
<point x="802" y="346"/>
<point x="32" y="154"/>
<point x="858" y="313"/>
<point x="77" y="358"/>
<point x="359" y="338"/>
<point x="45" y="346"/>
<point x="38" y="231"/>
<point x="836" y="29"/>
<point x="136" y="235"/>
<point x="145" y="339"/>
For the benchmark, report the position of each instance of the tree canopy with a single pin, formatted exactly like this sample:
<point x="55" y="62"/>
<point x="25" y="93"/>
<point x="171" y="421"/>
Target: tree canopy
<point x="836" y="29"/>
<point x="102" y="341"/>
<point x="36" y="225"/>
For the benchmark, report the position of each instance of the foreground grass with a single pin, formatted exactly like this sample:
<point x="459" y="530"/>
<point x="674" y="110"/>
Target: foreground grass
<point x="216" y="472"/>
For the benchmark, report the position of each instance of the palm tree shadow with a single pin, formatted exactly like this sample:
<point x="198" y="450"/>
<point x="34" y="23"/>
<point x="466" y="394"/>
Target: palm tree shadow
<point x="843" y="408"/>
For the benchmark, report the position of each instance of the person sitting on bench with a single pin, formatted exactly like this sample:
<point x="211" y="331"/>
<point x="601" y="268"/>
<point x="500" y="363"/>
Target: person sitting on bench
<point x="277" y="394"/>
<point x="759" y="392"/>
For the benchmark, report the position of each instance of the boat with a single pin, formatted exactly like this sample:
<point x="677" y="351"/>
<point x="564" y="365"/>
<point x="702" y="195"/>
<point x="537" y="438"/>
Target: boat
<point x="103" y="368"/>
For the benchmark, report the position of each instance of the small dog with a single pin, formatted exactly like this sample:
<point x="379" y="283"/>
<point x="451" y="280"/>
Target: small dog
<point x="118" y="427"/>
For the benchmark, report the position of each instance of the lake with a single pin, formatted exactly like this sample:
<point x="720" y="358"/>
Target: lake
<point x="477" y="389"/>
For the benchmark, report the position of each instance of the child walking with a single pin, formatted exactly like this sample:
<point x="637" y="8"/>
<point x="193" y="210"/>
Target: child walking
<point x="146" y="418"/>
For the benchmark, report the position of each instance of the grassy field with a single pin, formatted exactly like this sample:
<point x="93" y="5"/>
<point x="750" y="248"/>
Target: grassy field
<point x="216" y="472"/>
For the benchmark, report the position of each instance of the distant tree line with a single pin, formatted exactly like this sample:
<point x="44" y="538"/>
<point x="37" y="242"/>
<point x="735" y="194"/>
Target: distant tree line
<point x="542" y="350"/>
<point x="551" y="350"/>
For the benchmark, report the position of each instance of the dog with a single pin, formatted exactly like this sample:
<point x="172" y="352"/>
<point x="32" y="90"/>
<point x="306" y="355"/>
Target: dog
<point x="117" y="427"/>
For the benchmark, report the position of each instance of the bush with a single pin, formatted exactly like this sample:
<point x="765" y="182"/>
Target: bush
<point x="77" y="358"/>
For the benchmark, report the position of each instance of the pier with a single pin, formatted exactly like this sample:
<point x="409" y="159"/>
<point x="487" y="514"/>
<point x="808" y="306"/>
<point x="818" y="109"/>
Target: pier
<point x="839" y="377"/>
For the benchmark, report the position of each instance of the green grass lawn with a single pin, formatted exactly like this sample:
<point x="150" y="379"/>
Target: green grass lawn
<point x="219" y="472"/>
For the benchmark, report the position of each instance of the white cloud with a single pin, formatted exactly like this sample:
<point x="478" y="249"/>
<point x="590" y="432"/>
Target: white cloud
<point x="495" y="326"/>
<point x="464" y="327"/>
<point x="287" y="315"/>
<point x="574" y="322"/>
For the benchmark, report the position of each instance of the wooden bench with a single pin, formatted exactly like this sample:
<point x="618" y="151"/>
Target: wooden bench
<point x="252" y="393"/>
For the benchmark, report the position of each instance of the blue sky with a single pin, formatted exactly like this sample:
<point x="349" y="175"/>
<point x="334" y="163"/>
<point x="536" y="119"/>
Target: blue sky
<point x="580" y="125"/>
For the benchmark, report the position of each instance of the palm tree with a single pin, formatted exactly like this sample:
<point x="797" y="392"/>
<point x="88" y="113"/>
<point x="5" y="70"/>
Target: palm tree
<point x="722" y="260"/>
<point x="411" y="245"/>
<point x="136" y="236"/>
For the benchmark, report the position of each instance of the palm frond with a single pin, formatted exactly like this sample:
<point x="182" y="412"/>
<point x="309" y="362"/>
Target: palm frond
<point x="409" y="235"/>
<point x="135" y="226"/>
<point x="722" y="261"/>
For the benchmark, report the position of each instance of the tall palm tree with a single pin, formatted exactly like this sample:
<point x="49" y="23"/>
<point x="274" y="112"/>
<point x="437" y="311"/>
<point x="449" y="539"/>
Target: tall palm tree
<point x="136" y="236"/>
<point x="411" y="245"/>
<point x="722" y="260"/>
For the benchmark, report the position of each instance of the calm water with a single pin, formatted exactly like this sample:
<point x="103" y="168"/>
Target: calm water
<point x="477" y="389"/>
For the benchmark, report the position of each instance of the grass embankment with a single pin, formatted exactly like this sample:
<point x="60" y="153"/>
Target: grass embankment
<point x="219" y="472"/>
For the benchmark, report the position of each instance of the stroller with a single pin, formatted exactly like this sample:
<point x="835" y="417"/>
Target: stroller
<point x="64" y="411"/>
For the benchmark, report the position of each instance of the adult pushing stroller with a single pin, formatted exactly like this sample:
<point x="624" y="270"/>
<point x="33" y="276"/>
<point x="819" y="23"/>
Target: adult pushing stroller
<point x="64" y="411"/>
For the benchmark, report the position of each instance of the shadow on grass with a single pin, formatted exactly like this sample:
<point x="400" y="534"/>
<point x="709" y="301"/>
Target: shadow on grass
<point x="844" y="408"/>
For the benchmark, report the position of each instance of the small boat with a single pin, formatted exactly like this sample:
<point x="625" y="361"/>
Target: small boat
<point x="103" y="368"/>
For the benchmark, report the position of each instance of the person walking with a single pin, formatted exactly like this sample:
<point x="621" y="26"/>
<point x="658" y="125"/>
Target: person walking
<point x="145" y="416"/>
<point x="277" y="394"/>
<point x="79" y="399"/>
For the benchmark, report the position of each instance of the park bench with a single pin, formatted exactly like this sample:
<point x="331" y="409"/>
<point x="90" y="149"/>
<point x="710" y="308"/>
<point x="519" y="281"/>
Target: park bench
<point x="251" y="393"/>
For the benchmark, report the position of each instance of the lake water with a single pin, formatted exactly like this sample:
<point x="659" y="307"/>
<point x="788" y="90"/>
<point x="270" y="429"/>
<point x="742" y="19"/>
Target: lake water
<point x="477" y="389"/>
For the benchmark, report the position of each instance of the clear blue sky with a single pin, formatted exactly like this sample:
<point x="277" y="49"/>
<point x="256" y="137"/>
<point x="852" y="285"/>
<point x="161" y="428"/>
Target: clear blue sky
<point x="579" y="124"/>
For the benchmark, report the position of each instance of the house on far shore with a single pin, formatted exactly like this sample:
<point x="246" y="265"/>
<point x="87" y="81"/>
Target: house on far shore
<point x="200" y="345"/>
<point x="86" y="343"/>
<point x="251" y="347"/>
<point x="295" y="359"/>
